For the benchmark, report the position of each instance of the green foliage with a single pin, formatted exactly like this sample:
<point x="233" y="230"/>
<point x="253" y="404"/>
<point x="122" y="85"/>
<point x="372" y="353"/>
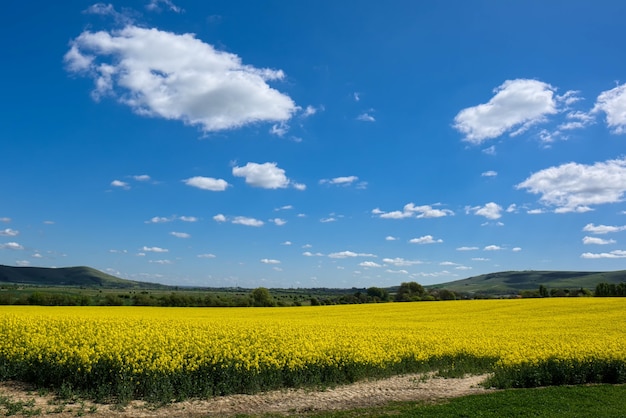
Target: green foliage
<point x="261" y="297"/>
<point x="611" y="289"/>
<point x="600" y="401"/>
<point x="409" y="291"/>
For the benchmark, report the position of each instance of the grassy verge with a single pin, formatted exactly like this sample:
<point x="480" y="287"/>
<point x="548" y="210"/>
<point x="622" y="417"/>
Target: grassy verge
<point x="598" y="401"/>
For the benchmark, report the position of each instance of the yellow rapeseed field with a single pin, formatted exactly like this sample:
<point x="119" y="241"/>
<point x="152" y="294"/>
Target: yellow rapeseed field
<point x="135" y="343"/>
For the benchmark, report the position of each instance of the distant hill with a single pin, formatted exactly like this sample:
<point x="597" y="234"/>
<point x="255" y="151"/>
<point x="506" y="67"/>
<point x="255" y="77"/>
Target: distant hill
<point x="68" y="276"/>
<point x="512" y="282"/>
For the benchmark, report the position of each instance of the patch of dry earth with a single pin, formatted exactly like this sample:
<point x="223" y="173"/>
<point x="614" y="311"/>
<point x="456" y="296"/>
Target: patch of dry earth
<point x="289" y="402"/>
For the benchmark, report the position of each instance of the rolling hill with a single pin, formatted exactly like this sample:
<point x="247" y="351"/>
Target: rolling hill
<point x="68" y="276"/>
<point x="512" y="282"/>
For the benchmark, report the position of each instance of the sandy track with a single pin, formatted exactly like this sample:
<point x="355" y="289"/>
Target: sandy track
<point x="287" y="402"/>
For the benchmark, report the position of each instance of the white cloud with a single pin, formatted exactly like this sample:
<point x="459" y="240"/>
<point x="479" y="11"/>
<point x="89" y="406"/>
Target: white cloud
<point x="11" y="246"/>
<point x="397" y="271"/>
<point x="480" y="259"/>
<point x="188" y="218"/>
<point x="575" y="187"/>
<point x="108" y="10"/>
<point x="327" y="220"/>
<point x="390" y="238"/>
<point x="489" y="173"/>
<point x="426" y="239"/>
<point x="22" y="263"/>
<point x="269" y="261"/>
<point x="8" y="232"/>
<point x="286" y="207"/>
<point x="161" y="261"/>
<point x="287" y="243"/>
<point x="410" y="210"/>
<point x="535" y="211"/>
<point x="207" y="183"/>
<point x="120" y="184"/>
<point x="206" y="255"/>
<point x="163" y="74"/>
<point x="266" y="176"/>
<point x="492" y="248"/>
<point x="242" y="220"/>
<point x="279" y="129"/>
<point x="597" y="241"/>
<point x="612" y="254"/>
<point x="341" y="181"/>
<point x="516" y="249"/>
<point x="613" y="104"/>
<point x="603" y="229"/>
<point x="490" y="211"/>
<point x="309" y="111"/>
<point x="346" y="254"/>
<point x="369" y="264"/>
<point x="278" y="221"/>
<point x="155" y="6"/>
<point x="219" y="218"/>
<point x="142" y="177"/>
<point x="517" y="104"/>
<point x="158" y="220"/>
<point x="310" y="254"/>
<point x="366" y="117"/>
<point x="467" y="248"/>
<point x="5" y="219"/>
<point x="401" y="262"/>
<point x="180" y="234"/>
<point x="154" y="249"/>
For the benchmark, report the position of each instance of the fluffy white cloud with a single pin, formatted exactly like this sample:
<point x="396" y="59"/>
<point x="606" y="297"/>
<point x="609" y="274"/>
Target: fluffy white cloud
<point x="401" y="262"/>
<point x="278" y="221"/>
<point x="575" y="187"/>
<point x="613" y="104"/>
<point x="163" y="74"/>
<point x="397" y="271"/>
<point x="369" y="264"/>
<point x="492" y="248"/>
<point x="310" y="254"/>
<point x="5" y="219"/>
<point x="155" y="6"/>
<point x="390" y="238"/>
<point x="346" y="254"/>
<point x="8" y="232"/>
<point x="11" y="246"/>
<point x="161" y="261"/>
<point x="517" y="104"/>
<point x="329" y="219"/>
<point x="516" y="249"/>
<point x="120" y="184"/>
<point x="426" y="239"/>
<point x="180" y="234"/>
<point x="142" y="177"/>
<point x="490" y="211"/>
<point x="154" y="249"/>
<point x="597" y="241"/>
<point x="188" y="218"/>
<point x="603" y="229"/>
<point x="243" y="220"/>
<point x="467" y="248"/>
<point x="219" y="218"/>
<point x="207" y="183"/>
<point x="269" y="261"/>
<point x="612" y="254"/>
<point x="266" y="176"/>
<point x="410" y="210"/>
<point x="489" y="173"/>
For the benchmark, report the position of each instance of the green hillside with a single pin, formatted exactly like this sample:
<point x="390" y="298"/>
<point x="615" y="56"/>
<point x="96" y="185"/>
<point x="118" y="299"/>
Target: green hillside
<point x="68" y="276"/>
<point x="512" y="282"/>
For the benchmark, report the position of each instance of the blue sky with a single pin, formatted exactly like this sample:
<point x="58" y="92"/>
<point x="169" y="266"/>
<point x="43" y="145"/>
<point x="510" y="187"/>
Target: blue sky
<point x="313" y="144"/>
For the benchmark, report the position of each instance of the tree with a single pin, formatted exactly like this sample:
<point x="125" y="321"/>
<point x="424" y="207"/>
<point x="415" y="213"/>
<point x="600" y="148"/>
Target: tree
<point x="543" y="291"/>
<point x="376" y="293"/>
<point x="409" y="291"/>
<point x="262" y="297"/>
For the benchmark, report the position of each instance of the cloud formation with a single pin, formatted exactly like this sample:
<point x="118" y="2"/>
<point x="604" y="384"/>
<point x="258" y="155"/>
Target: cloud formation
<point x="266" y="176"/>
<point x="603" y="229"/>
<point x="426" y="239"/>
<point x="410" y="210"/>
<point x="491" y="210"/>
<point x="613" y="104"/>
<point x="178" y="77"/>
<point x="207" y="183"/>
<point x="574" y="187"/>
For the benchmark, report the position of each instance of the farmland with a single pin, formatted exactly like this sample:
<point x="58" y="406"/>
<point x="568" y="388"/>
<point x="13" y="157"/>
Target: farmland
<point x="162" y="354"/>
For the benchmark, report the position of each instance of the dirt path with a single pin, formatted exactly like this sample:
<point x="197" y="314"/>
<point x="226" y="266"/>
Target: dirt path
<point x="286" y="402"/>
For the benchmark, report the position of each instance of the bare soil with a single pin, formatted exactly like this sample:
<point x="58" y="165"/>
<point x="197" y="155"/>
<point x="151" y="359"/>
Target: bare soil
<point x="288" y="402"/>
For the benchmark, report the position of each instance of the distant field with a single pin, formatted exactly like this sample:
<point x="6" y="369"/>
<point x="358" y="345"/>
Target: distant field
<point x="174" y="353"/>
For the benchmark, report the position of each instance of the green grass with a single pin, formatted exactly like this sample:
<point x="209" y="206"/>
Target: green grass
<point x="597" y="401"/>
